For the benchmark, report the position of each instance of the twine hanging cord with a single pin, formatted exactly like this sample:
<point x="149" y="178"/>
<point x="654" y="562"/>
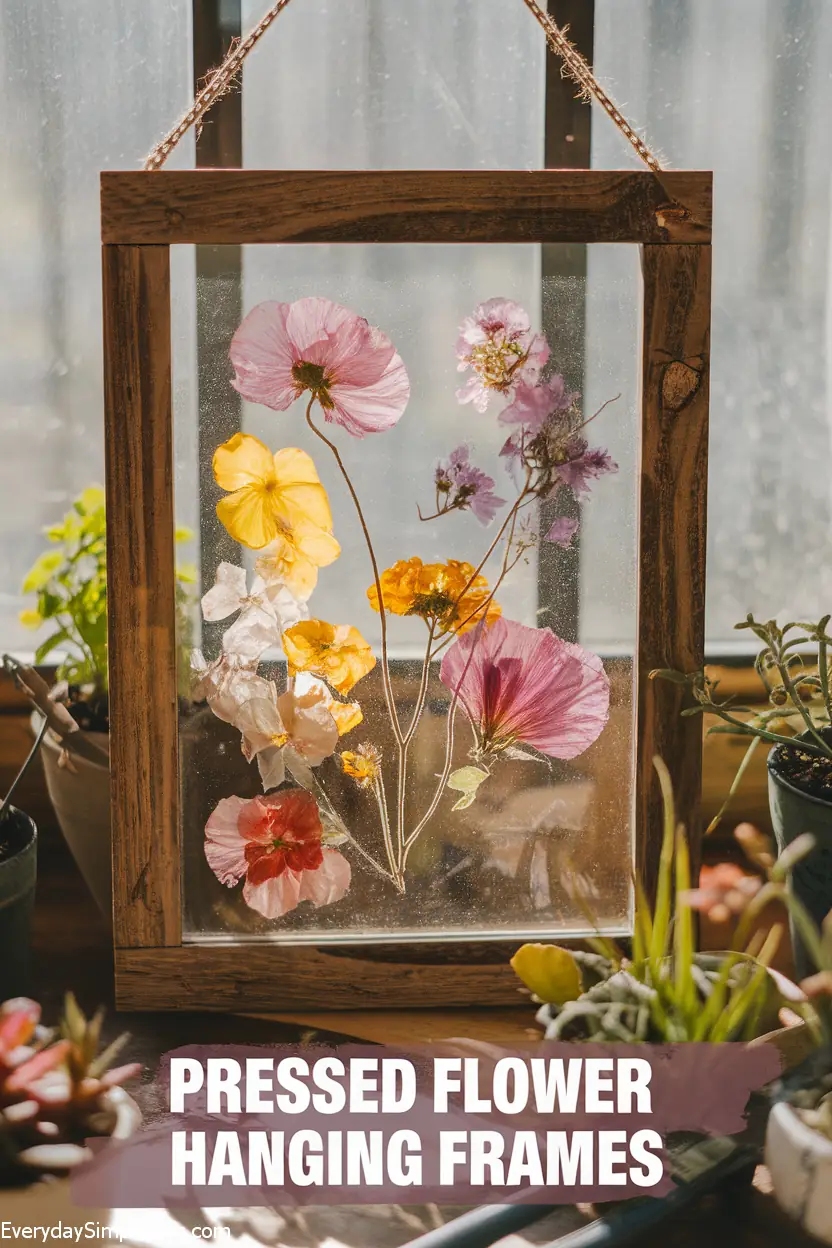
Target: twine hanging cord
<point x="222" y="80"/>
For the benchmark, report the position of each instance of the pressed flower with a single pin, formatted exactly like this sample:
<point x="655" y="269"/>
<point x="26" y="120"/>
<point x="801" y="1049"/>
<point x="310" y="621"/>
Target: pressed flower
<point x="264" y="611"/>
<point x="562" y="531"/>
<point x="347" y="715"/>
<point x="282" y="350"/>
<point x="226" y="683"/>
<point x="274" y="842"/>
<point x="498" y="345"/>
<point x="522" y="685"/>
<point x="363" y="764"/>
<point x="460" y="487"/>
<point x="337" y="652"/>
<point x="579" y="464"/>
<point x="294" y="731"/>
<point x="294" y="558"/>
<point x="270" y="496"/>
<point x="557" y="455"/>
<point x="447" y="594"/>
<point x="534" y="403"/>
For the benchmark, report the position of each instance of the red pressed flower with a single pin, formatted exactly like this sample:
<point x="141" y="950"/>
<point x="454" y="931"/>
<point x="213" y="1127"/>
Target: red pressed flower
<point x="275" y="842"/>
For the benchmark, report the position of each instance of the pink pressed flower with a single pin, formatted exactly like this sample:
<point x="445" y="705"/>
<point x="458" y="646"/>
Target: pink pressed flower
<point x="498" y="345"/>
<point x="562" y="531"/>
<point x="275" y="842"/>
<point x="532" y="405"/>
<point x="283" y="349"/>
<point x="524" y="685"/>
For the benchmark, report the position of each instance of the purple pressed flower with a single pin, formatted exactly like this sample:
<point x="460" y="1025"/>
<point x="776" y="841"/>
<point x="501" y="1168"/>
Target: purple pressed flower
<point x="562" y="531"/>
<point x="460" y="485"/>
<point x="582" y="464"/>
<point x="532" y="405"/>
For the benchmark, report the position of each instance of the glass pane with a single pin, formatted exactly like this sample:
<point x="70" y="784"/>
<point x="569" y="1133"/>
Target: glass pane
<point x="539" y="805"/>
<point x="745" y="89"/>
<point x="387" y="84"/>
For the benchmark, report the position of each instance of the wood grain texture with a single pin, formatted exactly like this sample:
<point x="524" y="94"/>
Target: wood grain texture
<point x="275" y="206"/>
<point x="140" y="582"/>
<point x="278" y="978"/>
<point x="674" y="470"/>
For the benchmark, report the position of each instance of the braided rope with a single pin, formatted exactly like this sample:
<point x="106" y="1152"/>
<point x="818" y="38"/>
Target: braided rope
<point x="577" y="68"/>
<point x="221" y="80"/>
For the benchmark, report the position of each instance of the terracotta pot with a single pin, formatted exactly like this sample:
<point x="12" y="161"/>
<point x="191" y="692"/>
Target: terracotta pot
<point x="799" y="1160"/>
<point x="18" y="873"/>
<point x="49" y="1201"/>
<point x="80" y="795"/>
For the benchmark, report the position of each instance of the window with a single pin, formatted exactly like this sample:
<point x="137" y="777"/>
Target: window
<point x="447" y="83"/>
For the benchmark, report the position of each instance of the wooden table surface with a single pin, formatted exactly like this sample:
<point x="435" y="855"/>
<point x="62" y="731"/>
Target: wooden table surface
<point x="72" y="950"/>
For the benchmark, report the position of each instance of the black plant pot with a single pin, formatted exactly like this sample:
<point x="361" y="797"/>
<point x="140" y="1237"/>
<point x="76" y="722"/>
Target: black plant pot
<point x="18" y="872"/>
<point x="794" y="812"/>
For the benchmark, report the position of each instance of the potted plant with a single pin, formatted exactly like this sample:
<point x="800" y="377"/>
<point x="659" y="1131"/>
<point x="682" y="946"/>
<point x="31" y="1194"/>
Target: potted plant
<point x="663" y="990"/>
<point x="57" y="1089"/>
<point x="794" y="667"/>
<point x="69" y="582"/>
<point x="18" y="873"/>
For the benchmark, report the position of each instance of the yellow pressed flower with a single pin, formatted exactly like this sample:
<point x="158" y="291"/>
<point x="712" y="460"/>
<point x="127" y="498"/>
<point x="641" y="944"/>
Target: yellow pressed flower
<point x="295" y="558"/>
<point x="347" y="715"/>
<point x="447" y="594"/>
<point x="272" y="496"/>
<point x="337" y="652"/>
<point x="30" y="619"/>
<point x="363" y="765"/>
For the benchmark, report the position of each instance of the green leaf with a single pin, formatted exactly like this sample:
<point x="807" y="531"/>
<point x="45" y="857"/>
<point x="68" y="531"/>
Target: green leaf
<point x="46" y="647"/>
<point x="550" y="972"/>
<point x="183" y="533"/>
<point x="466" y="780"/>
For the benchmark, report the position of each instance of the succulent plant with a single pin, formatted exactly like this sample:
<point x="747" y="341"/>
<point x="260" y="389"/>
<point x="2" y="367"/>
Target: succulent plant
<point x="55" y="1089"/>
<point x="661" y="990"/>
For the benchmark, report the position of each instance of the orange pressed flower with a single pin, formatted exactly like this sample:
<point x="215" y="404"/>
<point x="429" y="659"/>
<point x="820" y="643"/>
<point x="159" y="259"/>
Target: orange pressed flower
<point x="337" y="652"/>
<point x="363" y="764"/>
<point x="448" y="595"/>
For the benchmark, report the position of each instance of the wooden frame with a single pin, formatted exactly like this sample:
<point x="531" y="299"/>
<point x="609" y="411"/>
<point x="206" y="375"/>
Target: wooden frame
<point x="669" y="216"/>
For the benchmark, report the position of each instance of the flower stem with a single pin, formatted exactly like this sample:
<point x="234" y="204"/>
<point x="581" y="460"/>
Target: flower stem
<point x="405" y="742"/>
<point x="396" y="873"/>
<point x="385" y="666"/>
<point x="336" y="818"/>
<point x="449" y="754"/>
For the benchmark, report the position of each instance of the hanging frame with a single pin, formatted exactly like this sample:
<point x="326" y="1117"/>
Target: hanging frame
<point x="143" y="214"/>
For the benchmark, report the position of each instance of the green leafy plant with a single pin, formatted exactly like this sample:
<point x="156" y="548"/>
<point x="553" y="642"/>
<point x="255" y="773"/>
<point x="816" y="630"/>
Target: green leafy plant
<point x="794" y="667"/>
<point x="663" y="991"/>
<point x="69" y="581"/>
